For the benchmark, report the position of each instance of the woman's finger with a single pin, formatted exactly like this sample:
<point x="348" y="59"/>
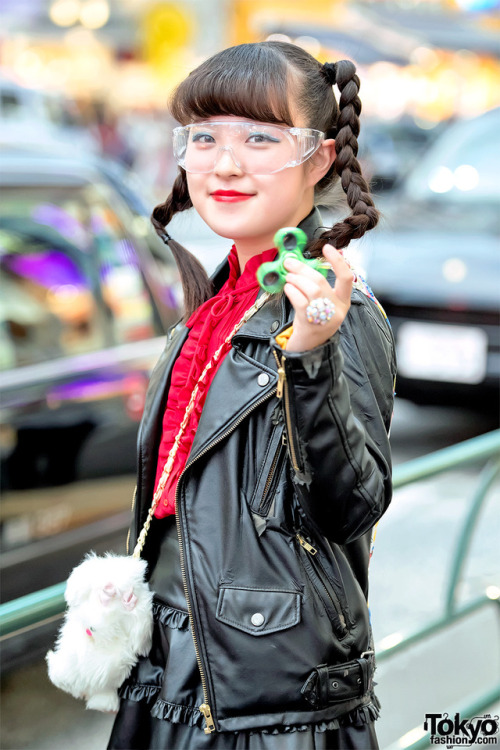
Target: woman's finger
<point x="297" y="266"/>
<point x="298" y="300"/>
<point x="343" y="273"/>
<point x="309" y="288"/>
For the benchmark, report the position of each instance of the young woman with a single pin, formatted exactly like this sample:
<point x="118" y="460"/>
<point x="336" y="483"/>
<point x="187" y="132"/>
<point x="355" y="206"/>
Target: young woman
<point x="263" y="447"/>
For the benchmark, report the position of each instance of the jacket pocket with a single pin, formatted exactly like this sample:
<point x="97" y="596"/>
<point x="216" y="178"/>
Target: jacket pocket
<point x="269" y="474"/>
<point x="258" y="611"/>
<point x="322" y="586"/>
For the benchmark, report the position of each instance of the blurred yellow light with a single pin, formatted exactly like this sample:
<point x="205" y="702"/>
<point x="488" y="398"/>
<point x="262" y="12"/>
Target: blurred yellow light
<point x="384" y="69"/>
<point x="431" y="92"/>
<point x="64" y="12"/>
<point x="57" y="71"/>
<point x="424" y="57"/>
<point x="94" y="14"/>
<point x="79" y="39"/>
<point x="28" y="62"/>
<point x="167" y="30"/>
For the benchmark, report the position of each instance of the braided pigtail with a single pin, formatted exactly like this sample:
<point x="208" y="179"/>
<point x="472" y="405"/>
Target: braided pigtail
<point x="196" y="284"/>
<point x="364" y="215"/>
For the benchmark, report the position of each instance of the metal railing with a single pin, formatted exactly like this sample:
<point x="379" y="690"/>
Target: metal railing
<point x="485" y="448"/>
<point x="48" y="604"/>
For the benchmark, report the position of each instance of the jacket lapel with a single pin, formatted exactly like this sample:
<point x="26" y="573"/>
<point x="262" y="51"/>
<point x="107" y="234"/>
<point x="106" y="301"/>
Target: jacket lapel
<point x="242" y="381"/>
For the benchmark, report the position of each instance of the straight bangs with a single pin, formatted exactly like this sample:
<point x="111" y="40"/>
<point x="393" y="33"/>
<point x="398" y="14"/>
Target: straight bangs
<point x="250" y="81"/>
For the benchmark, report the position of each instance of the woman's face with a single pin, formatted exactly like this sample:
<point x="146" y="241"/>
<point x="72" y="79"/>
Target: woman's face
<point x="261" y="203"/>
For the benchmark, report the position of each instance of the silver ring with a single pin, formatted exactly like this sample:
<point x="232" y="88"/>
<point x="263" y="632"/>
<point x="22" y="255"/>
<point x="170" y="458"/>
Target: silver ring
<point x="320" y="310"/>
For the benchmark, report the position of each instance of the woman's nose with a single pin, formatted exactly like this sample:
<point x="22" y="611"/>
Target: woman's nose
<point x="226" y="162"/>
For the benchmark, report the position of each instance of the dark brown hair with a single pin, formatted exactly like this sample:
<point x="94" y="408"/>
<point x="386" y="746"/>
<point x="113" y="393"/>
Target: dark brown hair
<point x="259" y="81"/>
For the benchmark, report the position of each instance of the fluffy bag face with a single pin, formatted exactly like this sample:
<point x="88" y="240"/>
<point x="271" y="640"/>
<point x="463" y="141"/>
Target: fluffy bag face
<point x="107" y="626"/>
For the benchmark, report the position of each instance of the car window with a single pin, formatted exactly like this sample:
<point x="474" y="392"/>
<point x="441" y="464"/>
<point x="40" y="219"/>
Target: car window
<point x="69" y="275"/>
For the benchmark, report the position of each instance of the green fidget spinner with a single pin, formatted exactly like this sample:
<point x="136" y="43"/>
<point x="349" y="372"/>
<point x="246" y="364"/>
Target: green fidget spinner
<point x="290" y="241"/>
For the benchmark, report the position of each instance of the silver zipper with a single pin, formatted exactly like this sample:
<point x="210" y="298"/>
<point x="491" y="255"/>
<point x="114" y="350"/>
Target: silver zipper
<point x="205" y="706"/>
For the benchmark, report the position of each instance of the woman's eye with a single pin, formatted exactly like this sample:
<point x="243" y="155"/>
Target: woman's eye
<point x="202" y="138"/>
<point x="262" y="138"/>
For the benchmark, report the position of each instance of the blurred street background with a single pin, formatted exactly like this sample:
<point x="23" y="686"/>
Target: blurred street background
<point x="88" y="291"/>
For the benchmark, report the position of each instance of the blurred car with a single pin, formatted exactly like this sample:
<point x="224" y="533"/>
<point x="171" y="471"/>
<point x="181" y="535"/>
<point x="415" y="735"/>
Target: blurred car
<point x="88" y="292"/>
<point x="40" y="118"/>
<point x="389" y="149"/>
<point x="434" y="264"/>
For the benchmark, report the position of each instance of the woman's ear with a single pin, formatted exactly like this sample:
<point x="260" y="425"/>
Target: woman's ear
<point x="321" y="161"/>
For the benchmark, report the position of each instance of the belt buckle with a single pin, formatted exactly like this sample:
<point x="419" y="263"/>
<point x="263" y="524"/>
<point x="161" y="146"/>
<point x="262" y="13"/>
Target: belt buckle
<point x="371" y="660"/>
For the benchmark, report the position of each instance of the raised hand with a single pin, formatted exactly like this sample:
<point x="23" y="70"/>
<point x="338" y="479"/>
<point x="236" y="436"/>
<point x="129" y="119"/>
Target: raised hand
<point x="304" y="286"/>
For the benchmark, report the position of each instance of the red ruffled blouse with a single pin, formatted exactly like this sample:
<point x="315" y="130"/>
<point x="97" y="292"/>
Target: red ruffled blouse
<point x="209" y="325"/>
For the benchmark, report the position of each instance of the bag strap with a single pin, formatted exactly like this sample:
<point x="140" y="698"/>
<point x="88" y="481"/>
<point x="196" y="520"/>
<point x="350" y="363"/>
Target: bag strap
<point x="189" y="408"/>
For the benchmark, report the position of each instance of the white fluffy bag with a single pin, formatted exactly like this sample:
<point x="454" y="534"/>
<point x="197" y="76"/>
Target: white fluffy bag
<point x="107" y="626"/>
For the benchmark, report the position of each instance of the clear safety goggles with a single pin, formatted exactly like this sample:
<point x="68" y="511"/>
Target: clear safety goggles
<point x="254" y="148"/>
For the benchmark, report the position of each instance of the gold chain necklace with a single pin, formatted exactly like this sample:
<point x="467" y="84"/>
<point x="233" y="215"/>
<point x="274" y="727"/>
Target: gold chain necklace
<point x="189" y="408"/>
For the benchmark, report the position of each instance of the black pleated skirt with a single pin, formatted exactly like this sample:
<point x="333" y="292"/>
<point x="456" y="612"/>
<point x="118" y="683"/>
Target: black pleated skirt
<point x="159" y="702"/>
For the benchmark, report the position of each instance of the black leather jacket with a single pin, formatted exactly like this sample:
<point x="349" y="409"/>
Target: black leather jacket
<point x="275" y="509"/>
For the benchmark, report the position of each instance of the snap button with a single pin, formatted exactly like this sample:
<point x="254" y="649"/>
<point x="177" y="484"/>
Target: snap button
<point x="257" y="619"/>
<point x="274" y="325"/>
<point x="263" y="378"/>
<point x="335" y="685"/>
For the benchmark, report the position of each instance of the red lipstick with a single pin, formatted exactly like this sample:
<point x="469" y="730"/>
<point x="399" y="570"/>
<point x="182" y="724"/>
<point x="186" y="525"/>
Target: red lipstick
<point x="230" y="196"/>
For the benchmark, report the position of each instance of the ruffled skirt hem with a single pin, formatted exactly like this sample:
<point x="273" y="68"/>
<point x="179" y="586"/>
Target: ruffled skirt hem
<point x="178" y="714"/>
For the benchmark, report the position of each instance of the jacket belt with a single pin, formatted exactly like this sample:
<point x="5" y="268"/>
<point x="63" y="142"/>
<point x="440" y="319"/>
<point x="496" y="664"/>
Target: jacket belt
<point x="327" y="685"/>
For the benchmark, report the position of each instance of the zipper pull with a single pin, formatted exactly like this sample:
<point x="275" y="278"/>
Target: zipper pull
<point x="281" y="375"/>
<point x="281" y="381"/>
<point x="312" y="550"/>
<point x="205" y="710"/>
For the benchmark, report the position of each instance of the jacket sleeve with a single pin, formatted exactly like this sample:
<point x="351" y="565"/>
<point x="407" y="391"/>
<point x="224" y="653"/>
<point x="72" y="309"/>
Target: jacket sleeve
<point x="337" y="402"/>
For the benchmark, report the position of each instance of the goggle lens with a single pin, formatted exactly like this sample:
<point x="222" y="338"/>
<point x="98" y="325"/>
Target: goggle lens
<point x="254" y="148"/>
